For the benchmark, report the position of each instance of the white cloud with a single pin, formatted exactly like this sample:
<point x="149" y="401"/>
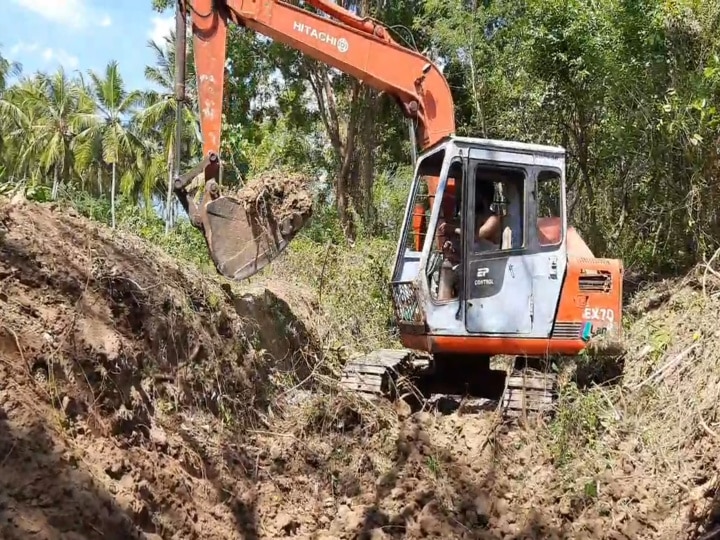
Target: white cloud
<point x="48" y="54"/>
<point x="161" y="28"/>
<point x="61" y="57"/>
<point x="73" y="13"/>
<point x="23" y="48"/>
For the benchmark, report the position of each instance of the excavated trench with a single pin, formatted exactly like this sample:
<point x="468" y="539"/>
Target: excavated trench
<point x="140" y="398"/>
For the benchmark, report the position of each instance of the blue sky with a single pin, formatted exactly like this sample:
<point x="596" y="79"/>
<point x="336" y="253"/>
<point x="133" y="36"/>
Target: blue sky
<point x="82" y="35"/>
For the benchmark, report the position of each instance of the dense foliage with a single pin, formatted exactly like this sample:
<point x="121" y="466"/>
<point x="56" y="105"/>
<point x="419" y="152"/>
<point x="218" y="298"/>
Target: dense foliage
<point x="631" y="89"/>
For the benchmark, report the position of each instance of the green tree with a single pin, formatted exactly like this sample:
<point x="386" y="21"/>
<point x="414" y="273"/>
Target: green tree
<point x="158" y="118"/>
<point x="52" y="107"/>
<point x="113" y="105"/>
<point x="10" y="115"/>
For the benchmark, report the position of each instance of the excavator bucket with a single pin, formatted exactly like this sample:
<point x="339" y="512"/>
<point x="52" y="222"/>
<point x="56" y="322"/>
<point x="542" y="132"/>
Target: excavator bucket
<point x="242" y="240"/>
<point x="246" y="232"/>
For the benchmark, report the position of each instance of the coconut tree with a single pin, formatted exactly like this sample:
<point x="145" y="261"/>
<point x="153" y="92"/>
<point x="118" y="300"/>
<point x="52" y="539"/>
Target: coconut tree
<point x="8" y="69"/>
<point x="159" y="118"/>
<point x="11" y="116"/>
<point x="114" y="105"/>
<point x="51" y="107"/>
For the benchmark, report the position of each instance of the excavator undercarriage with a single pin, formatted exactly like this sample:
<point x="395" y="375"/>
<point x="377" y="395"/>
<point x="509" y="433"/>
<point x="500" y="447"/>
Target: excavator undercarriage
<point x="528" y="389"/>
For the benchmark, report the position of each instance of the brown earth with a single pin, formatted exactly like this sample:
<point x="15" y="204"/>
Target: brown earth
<point x="278" y="197"/>
<point x="180" y="406"/>
<point x="287" y="192"/>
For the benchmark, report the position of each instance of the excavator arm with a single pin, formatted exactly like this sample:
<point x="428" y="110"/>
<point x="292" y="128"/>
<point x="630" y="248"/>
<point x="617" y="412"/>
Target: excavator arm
<point x="357" y="46"/>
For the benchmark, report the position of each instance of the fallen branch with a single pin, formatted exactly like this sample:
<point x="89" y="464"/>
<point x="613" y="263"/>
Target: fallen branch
<point x="659" y="374"/>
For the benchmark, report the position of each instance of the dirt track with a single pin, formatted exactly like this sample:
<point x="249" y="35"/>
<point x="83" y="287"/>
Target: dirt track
<point x="170" y="413"/>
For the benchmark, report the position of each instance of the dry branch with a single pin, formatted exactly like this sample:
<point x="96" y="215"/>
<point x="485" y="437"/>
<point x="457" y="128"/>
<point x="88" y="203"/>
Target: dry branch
<point x="660" y="373"/>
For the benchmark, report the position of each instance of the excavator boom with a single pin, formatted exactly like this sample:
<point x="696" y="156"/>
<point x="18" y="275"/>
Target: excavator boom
<point x="357" y="46"/>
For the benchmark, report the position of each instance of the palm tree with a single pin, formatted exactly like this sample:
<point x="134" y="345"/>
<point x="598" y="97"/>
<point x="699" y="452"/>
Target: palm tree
<point x="51" y="107"/>
<point x="7" y="69"/>
<point x="113" y="104"/>
<point x="11" y="117"/>
<point x="159" y="119"/>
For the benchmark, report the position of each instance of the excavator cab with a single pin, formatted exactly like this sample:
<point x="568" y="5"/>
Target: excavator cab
<point x="529" y="286"/>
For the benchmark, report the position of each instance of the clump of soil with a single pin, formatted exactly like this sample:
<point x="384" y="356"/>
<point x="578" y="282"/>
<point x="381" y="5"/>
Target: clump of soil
<point x="143" y="399"/>
<point x="280" y="197"/>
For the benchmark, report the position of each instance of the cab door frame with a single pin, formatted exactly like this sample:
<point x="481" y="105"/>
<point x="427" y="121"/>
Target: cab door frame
<point x="498" y="284"/>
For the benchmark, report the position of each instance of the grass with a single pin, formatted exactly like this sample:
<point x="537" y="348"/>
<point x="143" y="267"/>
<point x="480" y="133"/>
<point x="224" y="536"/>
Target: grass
<point x="350" y="286"/>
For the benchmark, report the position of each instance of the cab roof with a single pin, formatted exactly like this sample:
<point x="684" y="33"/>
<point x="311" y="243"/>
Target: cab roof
<point x="516" y="146"/>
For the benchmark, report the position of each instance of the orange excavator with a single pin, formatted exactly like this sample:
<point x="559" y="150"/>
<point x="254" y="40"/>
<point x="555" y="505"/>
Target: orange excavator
<point x="486" y="263"/>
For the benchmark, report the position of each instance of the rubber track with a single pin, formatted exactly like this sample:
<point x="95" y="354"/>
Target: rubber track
<point x="529" y="393"/>
<point x="375" y="374"/>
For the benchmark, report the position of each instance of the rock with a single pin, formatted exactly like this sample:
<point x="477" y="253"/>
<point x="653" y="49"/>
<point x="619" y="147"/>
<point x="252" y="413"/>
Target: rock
<point x="423" y="437"/>
<point x="18" y="199"/>
<point x="429" y="524"/>
<point x="633" y="528"/>
<point x="286" y="523"/>
<point x="116" y="469"/>
<point x="127" y="482"/>
<point x="483" y="505"/>
<point x="354" y="521"/>
<point x="501" y="507"/>
<point x="158" y="436"/>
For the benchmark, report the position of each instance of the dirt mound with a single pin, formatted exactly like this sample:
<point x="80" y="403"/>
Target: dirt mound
<point x="278" y="197"/>
<point x="121" y="376"/>
<point x="141" y="399"/>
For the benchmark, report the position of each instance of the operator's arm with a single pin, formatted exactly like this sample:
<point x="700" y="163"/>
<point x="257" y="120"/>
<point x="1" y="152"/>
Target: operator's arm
<point x="450" y="226"/>
<point x="490" y="228"/>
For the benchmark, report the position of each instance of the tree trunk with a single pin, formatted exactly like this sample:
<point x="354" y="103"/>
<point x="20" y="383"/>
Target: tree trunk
<point x="367" y="156"/>
<point x="56" y="182"/>
<point x="346" y="180"/>
<point x="168" y="202"/>
<point x="112" y="195"/>
<point x="319" y="79"/>
<point x="353" y="149"/>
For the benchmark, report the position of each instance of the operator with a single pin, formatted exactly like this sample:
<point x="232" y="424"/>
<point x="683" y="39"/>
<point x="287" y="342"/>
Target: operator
<point x="487" y="234"/>
<point x="487" y="237"/>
